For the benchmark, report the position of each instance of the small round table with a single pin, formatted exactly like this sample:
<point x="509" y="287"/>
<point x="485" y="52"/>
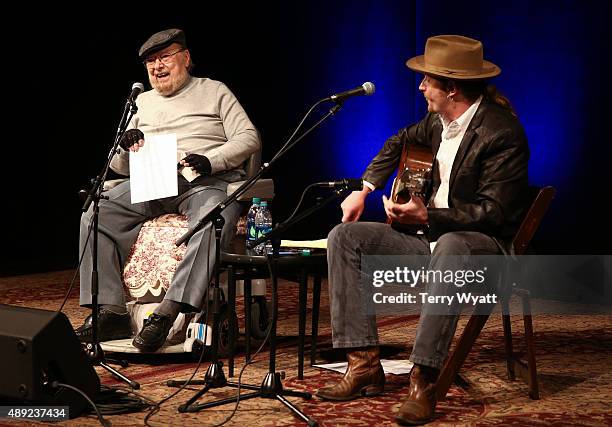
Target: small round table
<point x="294" y="265"/>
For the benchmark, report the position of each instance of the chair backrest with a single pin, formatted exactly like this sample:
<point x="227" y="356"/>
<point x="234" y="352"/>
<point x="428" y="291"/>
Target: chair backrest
<point x="541" y="201"/>
<point x="263" y="188"/>
<point x="252" y="164"/>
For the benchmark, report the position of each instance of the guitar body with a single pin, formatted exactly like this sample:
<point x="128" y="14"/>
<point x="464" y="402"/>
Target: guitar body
<point x="414" y="177"/>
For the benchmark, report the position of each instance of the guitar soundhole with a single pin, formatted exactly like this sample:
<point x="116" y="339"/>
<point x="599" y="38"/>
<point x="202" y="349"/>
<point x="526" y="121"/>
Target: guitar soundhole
<point x="413" y="182"/>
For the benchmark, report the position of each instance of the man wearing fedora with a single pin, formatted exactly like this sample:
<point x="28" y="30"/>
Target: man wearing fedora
<point x="214" y="138"/>
<point x="477" y="202"/>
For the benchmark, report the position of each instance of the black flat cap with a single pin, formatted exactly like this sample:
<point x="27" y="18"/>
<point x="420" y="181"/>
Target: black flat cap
<point x="161" y="40"/>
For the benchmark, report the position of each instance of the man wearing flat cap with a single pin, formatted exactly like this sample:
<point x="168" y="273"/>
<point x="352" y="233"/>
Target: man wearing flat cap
<point x="214" y="138"/>
<point x="477" y="201"/>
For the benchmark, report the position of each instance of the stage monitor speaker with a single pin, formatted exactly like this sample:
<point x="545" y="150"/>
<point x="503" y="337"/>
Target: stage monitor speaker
<point x="38" y="347"/>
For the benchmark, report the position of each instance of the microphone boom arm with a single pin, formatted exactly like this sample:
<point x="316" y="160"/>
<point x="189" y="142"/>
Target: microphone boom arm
<point x="249" y="183"/>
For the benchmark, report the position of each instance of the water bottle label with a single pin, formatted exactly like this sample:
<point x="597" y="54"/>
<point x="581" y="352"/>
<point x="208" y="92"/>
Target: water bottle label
<point x="263" y="231"/>
<point x="252" y="232"/>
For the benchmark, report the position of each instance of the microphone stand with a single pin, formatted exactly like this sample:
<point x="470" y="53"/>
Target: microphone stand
<point x="93" y="349"/>
<point x="271" y="387"/>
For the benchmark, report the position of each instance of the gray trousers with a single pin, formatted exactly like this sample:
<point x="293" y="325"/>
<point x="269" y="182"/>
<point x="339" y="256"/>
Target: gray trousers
<point x="354" y="324"/>
<point x="120" y="222"/>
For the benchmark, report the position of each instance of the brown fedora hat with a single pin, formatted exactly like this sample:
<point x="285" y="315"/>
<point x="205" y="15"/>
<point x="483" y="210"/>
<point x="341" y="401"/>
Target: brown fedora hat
<point x="453" y="57"/>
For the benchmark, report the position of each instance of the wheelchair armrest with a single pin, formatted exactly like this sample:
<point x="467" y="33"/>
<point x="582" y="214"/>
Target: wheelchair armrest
<point x="264" y="189"/>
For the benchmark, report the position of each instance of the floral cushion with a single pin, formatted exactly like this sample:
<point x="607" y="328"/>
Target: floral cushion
<point x="154" y="257"/>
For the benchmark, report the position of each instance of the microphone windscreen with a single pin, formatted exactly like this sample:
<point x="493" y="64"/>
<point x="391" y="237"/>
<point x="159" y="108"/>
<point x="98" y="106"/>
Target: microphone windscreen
<point x="369" y="88"/>
<point x="138" y="85"/>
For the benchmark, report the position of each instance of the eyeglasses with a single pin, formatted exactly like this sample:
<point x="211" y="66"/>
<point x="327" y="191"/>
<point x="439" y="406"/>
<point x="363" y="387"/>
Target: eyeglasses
<point x="165" y="58"/>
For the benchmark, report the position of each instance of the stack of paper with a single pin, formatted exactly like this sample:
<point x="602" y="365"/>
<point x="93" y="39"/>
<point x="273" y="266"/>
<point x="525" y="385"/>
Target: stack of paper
<point x="315" y="244"/>
<point x="396" y="367"/>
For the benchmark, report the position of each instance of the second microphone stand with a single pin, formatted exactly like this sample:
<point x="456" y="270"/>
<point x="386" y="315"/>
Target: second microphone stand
<point x="271" y="386"/>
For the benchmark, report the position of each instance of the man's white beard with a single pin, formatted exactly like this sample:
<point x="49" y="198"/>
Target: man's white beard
<point x="171" y="86"/>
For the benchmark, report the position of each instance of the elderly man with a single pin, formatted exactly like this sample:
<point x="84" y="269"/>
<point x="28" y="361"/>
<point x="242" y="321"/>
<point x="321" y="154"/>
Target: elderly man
<point x="214" y="137"/>
<point x="477" y="202"/>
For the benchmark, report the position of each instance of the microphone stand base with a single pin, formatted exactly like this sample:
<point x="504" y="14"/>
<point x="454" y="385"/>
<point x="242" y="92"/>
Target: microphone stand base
<point x="96" y="356"/>
<point x="271" y="388"/>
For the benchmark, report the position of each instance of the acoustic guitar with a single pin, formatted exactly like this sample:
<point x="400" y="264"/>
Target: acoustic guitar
<point x="413" y="178"/>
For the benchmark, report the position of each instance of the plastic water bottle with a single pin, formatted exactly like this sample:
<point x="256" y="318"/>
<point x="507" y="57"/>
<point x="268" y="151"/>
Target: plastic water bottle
<point x="250" y="221"/>
<point x="263" y="225"/>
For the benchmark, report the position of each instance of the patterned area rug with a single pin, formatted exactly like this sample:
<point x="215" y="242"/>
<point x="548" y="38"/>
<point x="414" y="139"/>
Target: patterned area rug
<point x="574" y="356"/>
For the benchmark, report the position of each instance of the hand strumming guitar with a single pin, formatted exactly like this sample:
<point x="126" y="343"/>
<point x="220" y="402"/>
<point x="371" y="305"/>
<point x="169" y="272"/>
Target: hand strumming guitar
<point x="413" y="212"/>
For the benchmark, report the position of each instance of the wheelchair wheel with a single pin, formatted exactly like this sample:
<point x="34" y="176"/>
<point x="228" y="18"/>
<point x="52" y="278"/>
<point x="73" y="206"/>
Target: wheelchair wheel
<point x="260" y="317"/>
<point x="226" y="324"/>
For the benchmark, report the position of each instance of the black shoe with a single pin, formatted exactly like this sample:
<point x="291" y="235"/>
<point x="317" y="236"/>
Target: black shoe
<point x="111" y="326"/>
<point x="153" y="333"/>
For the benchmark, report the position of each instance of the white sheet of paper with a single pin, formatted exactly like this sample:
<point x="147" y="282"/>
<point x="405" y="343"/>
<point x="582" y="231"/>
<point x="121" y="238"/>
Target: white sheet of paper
<point x="396" y="367"/>
<point x="153" y="169"/>
<point x="315" y="244"/>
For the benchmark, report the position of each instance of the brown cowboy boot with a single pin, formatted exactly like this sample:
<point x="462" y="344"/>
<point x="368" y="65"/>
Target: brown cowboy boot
<point x="421" y="404"/>
<point x="364" y="376"/>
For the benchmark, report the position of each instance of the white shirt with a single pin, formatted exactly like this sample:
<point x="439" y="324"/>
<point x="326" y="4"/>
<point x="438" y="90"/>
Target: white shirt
<point x="452" y="134"/>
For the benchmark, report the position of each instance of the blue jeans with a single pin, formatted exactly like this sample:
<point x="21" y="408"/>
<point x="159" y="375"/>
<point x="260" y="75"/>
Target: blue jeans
<point x="354" y="325"/>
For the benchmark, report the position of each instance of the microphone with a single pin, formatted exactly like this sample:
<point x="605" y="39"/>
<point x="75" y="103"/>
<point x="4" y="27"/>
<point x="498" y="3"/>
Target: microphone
<point x="367" y="88"/>
<point x="137" y="89"/>
<point x="348" y="183"/>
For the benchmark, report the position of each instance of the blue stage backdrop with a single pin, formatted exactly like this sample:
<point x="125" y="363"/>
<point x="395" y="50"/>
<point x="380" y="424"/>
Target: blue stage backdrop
<point x="72" y="75"/>
<point x="551" y="55"/>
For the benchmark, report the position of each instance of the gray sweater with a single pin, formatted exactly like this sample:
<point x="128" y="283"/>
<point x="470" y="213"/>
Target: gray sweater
<point x="206" y="118"/>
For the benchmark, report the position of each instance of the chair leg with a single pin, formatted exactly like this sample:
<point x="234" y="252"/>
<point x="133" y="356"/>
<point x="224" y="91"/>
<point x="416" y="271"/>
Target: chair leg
<point x="231" y="300"/>
<point x="316" y="302"/>
<point x="508" y="339"/>
<point x="453" y="364"/>
<point x="247" y="318"/>
<point x="303" y="298"/>
<point x="527" y="370"/>
<point x="534" y="390"/>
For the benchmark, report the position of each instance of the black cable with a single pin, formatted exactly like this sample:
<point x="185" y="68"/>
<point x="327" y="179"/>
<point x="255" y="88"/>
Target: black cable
<point x="105" y="423"/>
<point x="90" y="228"/>
<point x="130" y="390"/>
<point x="118" y="400"/>
<point x="301" y="200"/>
<point x="284" y="147"/>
